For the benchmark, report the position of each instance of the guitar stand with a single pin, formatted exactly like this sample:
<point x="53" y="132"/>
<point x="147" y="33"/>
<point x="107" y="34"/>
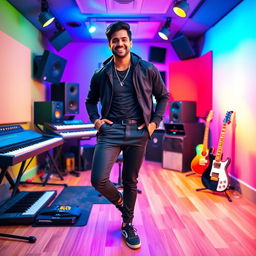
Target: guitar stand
<point x="227" y="195"/>
<point x="30" y="239"/>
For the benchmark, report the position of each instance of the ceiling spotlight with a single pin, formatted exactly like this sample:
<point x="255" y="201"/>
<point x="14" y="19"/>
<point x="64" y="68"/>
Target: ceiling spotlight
<point x="181" y="8"/>
<point x="165" y="32"/>
<point x="92" y="28"/>
<point x="45" y="17"/>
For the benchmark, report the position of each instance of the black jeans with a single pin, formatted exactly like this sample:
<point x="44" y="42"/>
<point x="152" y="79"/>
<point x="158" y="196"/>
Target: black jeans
<point x="111" y="140"/>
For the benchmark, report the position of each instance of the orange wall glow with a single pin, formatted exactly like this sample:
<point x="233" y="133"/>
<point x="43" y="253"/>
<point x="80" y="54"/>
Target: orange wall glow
<point x="15" y="81"/>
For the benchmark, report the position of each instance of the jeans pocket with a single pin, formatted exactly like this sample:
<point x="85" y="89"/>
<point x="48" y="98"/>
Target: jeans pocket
<point x="102" y="127"/>
<point x="105" y="128"/>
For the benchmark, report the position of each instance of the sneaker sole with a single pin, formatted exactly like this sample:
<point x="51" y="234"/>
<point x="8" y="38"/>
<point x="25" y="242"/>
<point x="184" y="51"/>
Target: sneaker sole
<point x="137" y="246"/>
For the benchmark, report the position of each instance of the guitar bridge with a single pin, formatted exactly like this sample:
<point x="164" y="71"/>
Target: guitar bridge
<point x="202" y="161"/>
<point x="215" y="176"/>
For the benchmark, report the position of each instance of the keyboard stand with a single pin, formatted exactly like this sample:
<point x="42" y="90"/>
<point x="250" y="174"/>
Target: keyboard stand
<point x="48" y="174"/>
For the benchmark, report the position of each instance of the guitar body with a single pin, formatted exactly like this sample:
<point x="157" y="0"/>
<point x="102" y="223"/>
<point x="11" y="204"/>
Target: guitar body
<point x="215" y="176"/>
<point x="201" y="161"/>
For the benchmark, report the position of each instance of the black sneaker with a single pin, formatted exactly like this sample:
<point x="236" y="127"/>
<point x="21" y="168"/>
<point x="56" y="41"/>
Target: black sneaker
<point x="131" y="237"/>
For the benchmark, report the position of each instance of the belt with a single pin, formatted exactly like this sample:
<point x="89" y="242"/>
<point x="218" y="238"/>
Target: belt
<point x="127" y="121"/>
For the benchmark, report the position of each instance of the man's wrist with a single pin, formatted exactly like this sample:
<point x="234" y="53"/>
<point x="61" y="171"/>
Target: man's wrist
<point x="95" y="121"/>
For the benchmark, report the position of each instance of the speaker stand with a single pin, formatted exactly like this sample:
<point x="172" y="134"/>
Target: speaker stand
<point x="227" y="195"/>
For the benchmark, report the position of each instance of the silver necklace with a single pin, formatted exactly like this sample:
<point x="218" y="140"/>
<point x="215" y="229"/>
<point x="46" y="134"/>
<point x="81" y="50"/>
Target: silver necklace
<point x="127" y="72"/>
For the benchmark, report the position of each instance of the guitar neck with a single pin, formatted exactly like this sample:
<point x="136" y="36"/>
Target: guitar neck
<point x="220" y="144"/>
<point x="206" y="135"/>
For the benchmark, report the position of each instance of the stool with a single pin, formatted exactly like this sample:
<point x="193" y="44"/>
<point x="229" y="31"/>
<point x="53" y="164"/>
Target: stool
<point x="119" y="184"/>
<point x="119" y="160"/>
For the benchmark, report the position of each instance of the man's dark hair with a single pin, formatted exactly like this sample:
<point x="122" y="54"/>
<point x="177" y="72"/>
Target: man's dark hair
<point x="116" y="26"/>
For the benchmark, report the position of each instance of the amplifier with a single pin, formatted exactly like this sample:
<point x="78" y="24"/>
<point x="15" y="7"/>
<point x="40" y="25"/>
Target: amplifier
<point x="154" y="149"/>
<point x="179" y="145"/>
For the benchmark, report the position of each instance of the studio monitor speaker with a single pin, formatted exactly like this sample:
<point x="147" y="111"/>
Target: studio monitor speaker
<point x="48" y="112"/>
<point x="154" y="149"/>
<point x="69" y="94"/>
<point x="183" y="47"/>
<point x="157" y="54"/>
<point x="183" y="111"/>
<point x="49" y="67"/>
<point x="179" y="150"/>
<point x="60" y="39"/>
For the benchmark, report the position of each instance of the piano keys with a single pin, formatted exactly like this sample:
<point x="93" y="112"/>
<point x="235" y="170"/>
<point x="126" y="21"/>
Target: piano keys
<point x="77" y="133"/>
<point x="71" y="125"/>
<point x="24" y="207"/>
<point x="17" y="144"/>
<point x="71" y="129"/>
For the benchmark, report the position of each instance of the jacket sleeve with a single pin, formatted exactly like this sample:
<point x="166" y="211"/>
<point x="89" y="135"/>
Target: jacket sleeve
<point x="161" y="95"/>
<point x="93" y="97"/>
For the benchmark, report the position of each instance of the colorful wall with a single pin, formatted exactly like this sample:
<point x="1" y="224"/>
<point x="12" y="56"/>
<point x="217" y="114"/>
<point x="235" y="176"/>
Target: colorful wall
<point x="14" y="25"/>
<point x="233" y="43"/>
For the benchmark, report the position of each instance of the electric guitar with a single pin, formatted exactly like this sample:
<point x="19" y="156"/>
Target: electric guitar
<point x="201" y="161"/>
<point x="215" y="176"/>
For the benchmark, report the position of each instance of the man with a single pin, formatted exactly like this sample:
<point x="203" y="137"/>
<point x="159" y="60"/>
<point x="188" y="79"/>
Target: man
<point x="124" y="86"/>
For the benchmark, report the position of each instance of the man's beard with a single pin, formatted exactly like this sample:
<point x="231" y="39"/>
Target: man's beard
<point x="121" y="55"/>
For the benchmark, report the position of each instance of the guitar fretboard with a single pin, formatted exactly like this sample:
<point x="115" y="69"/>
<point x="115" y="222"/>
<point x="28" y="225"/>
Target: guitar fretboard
<point x="206" y="134"/>
<point x="220" y="144"/>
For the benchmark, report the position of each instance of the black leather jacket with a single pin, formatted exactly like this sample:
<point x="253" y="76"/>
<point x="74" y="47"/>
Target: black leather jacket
<point x="147" y="82"/>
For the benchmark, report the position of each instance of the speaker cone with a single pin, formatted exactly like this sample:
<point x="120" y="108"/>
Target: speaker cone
<point x="57" y="114"/>
<point x="72" y="105"/>
<point x="175" y="107"/>
<point x="73" y="89"/>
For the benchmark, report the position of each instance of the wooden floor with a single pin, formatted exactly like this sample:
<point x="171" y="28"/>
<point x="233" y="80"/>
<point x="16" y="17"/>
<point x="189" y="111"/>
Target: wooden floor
<point x="171" y="219"/>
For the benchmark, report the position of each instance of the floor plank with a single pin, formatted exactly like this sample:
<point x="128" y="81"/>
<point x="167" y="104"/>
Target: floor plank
<point x="170" y="216"/>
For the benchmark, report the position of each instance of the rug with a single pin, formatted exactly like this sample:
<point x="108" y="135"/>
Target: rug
<point x="81" y="196"/>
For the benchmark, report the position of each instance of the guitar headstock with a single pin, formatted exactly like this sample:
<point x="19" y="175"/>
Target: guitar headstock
<point x="209" y="116"/>
<point x="227" y="119"/>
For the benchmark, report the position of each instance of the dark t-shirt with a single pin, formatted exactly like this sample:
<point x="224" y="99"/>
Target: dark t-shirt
<point x="124" y="103"/>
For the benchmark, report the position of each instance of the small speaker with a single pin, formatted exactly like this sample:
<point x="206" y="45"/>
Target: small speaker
<point x="69" y="94"/>
<point x="60" y="39"/>
<point x="48" y="112"/>
<point x="183" y="47"/>
<point x="179" y="150"/>
<point x="163" y="76"/>
<point x="157" y="54"/>
<point x="87" y="156"/>
<point x="183" y="111"/>
<point x="49" y="67"/>
<point x="154" y="150"/>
